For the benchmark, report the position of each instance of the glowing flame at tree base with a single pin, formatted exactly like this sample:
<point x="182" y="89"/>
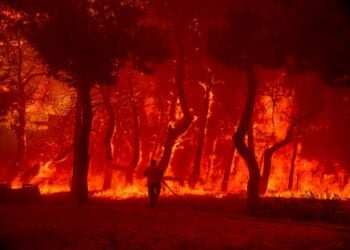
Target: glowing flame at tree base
<point x="307" y="185"/>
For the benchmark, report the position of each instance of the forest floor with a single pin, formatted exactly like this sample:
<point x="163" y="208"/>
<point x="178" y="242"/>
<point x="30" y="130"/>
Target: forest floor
<point x="186" y="223"/>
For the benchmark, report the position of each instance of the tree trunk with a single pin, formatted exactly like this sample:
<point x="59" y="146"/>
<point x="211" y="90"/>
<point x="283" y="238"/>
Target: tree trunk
<point x="201" y="137"/>
<point x="136" y="157"/>
<point x="239" y="140"/>
<point x="250" y="138"/>
<point x="268" y="158"/>
<point x="181" y="126"/>
<point x="83" y="123"/>
<point x="227" y="172"/>
<point x="173" y="107"/>
<point x="211" y="158"/>
<point x="160" y="131"/>
<point x="106" y="94"/>
<point x="292" y="164"/>
<point x="20" y="127"/>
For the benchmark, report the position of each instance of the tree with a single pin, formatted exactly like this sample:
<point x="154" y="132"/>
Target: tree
<point x="106" y="94"/>
<point x="149" y="48"/>
<point x="178" y="27"/>
<point x="296" y="35"/>
<point x="268" y="153"/>
<point x="241" y="45"/>
<point x="187" y="23"/>
<point x="86" y="41"/>
<point x="20" y="68"/>
<point x="202" y="128"/>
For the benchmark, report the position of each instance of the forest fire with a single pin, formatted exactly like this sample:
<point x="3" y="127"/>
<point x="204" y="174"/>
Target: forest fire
<point x="115" y="101"/>
<point x="310" y="182"/>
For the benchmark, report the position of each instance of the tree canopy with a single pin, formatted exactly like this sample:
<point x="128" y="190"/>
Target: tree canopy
<point x="89" y="40"/>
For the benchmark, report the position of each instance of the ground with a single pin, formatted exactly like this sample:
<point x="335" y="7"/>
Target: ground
<point x="186" y="223"/>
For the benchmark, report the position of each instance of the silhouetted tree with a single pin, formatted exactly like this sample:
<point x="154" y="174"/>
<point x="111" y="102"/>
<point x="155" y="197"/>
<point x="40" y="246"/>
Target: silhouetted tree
<point x="106" y="94"/>
<point x="292" y="164"/>
<point x="241" y="45"/>
<point x="202" y="128"/>
<point x="86" y="41"/>
<point x="300" y="35"/>
<point x="20" y="66"/>
<point x="136" y="147"/>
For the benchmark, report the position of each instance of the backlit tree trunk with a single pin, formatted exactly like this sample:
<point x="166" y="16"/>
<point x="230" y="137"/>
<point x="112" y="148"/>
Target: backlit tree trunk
<point x="268" y="158"/>
<point x="292" y="164"/>
<point x="211" y="158"/>
<point x="83" y="122"/>
<point x="20" y="127"/>
<point x="158" y="136"/>
<point x="227" y="172"/>
<point x="106" y="94"/>
<point x="239" y="140"/>
<point x="181" y="126"/>
<point x="250" y="138"/>
<point x="201" y="136"/>
<point x="136" y="152"/>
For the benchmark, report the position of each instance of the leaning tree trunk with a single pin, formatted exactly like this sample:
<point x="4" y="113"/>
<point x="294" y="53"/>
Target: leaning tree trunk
<point x="83" y="123"/>
<point x="20" y="128"/>
<point x="239" y="140"/>
<point x="106" y="94"/>
<point x="268" y="158"/>
<point x="174" y="131"/>
<point x="136" y="157"/>
<point x="292" y="164"/>
<point x="201" y="137"/>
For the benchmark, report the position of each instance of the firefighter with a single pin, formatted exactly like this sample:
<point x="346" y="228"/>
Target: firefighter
<point x="154" y="177"/>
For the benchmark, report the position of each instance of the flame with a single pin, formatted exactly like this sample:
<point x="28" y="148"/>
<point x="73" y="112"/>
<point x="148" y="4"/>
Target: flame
<point x="308" y="185"/>
<point x="46" y="170"/>
<point x="45" y="179"/>
<point x="311" y="179"/>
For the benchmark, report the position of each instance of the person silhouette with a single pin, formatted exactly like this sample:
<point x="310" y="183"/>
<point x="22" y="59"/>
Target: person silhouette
<point x="154" y="177"/>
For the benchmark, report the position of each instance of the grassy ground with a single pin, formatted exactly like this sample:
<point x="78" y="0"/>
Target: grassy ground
<point x="187" y="223"/>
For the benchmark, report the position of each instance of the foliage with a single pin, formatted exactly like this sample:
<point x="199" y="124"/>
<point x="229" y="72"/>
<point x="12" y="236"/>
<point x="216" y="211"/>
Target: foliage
<point x="300" y="35"/>
<point x="87" y="40"/>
